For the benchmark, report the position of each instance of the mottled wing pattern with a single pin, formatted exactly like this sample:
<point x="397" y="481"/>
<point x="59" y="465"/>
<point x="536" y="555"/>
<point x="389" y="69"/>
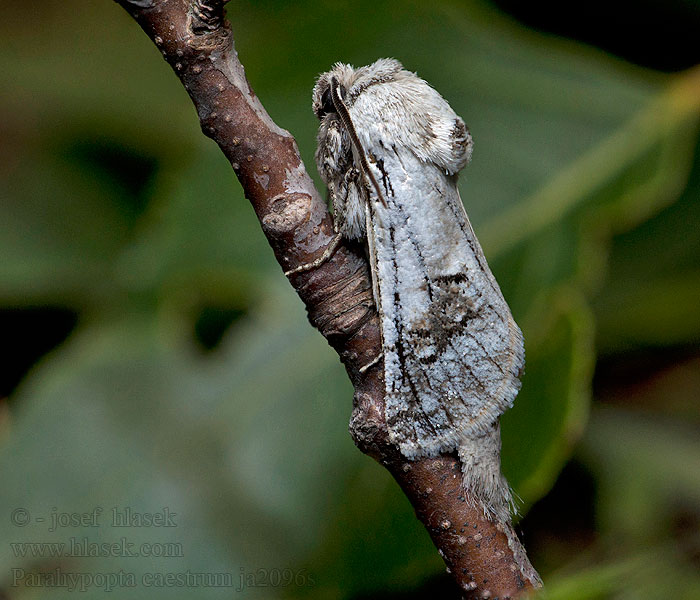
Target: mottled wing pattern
<point x="452" y="352"/>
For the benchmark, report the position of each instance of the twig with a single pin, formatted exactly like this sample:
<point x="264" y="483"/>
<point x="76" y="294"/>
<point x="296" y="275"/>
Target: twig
<point x="485" y="558"/>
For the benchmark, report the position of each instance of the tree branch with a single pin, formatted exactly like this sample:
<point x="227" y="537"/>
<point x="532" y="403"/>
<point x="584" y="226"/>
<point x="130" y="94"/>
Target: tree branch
<point x="485" y="558"/>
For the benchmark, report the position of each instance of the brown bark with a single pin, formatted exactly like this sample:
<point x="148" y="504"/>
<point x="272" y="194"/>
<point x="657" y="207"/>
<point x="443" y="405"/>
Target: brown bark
<point x="485" y="558"/>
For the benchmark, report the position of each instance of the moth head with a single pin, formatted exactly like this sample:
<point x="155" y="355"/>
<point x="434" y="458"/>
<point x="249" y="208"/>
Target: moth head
<point x="413" y="115"/>
<point x="350" y="82"/>
<point x="326" y="106"/>
<point x="324" y="103"/>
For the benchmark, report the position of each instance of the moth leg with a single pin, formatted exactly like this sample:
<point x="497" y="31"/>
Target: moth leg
<point x="372" y="362"/>
<point x="327" y="253"/>
<point x="352" y="175"/>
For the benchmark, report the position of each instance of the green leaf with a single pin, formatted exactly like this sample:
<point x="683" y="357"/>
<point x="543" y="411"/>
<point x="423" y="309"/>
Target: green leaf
<point x="128" y="415"/>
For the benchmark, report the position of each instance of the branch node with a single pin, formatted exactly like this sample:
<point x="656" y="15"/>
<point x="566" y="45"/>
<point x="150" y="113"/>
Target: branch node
<point x="368" y="427"/>
<point x="207" y="16"/>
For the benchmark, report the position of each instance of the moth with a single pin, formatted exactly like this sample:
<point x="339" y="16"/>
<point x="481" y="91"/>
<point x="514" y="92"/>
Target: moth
<point x="390" y="149"/>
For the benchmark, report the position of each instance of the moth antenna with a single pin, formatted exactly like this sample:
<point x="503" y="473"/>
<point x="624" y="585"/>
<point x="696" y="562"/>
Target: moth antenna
<point x="344" y="115"/>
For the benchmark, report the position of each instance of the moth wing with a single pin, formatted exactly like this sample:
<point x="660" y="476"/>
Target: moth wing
<point x="452" y="352"/>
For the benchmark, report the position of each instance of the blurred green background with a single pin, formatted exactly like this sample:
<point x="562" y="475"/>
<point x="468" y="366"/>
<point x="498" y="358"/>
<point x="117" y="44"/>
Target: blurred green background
<point x="156" y="358"/>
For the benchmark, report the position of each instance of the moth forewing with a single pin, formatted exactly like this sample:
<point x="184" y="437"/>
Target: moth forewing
<point x="391" y="152"/>
<point x="447" y="341"/>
